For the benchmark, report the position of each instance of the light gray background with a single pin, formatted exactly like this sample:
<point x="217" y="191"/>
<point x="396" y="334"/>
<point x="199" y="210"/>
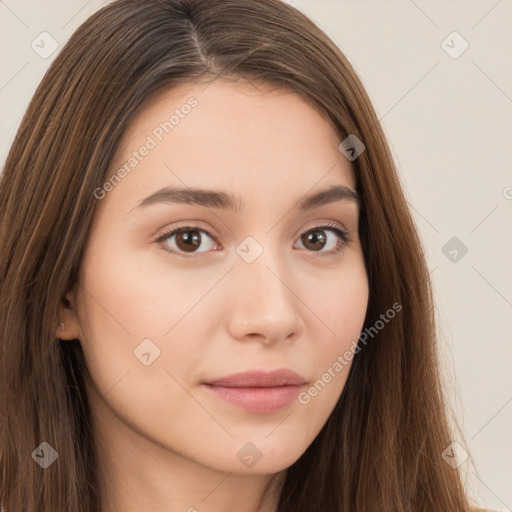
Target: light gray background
<point x="450" y="128"/>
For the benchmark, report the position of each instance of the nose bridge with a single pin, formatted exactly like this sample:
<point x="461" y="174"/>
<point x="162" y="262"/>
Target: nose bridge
<point x="262" y="302"/>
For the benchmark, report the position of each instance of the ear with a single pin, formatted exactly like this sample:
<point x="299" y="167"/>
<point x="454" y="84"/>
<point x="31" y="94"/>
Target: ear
<point x="68" y="325"/>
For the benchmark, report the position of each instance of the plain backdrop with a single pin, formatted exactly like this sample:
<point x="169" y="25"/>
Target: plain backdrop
<point x="439" y="76"/>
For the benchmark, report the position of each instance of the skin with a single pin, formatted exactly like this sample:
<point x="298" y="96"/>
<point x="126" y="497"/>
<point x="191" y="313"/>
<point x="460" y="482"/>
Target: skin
<point x="164" y="443"/>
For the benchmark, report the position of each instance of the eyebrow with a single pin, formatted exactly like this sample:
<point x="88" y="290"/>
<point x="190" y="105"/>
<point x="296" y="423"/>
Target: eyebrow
<point x="223" y="200"/>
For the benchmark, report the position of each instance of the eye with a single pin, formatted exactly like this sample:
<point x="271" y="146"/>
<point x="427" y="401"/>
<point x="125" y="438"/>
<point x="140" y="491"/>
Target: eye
<point x="316" y="239"/>
<point x="185" y="240"/>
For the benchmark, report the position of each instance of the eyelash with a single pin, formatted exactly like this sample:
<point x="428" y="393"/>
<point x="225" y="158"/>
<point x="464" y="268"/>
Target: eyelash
<point x="343" y="234"/>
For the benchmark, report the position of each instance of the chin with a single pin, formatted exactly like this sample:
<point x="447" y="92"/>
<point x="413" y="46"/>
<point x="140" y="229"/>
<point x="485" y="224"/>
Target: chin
<point x="259" y="456"/>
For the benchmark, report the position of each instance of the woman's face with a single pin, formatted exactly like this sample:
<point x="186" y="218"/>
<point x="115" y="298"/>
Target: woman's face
<point x="270" y="285"/>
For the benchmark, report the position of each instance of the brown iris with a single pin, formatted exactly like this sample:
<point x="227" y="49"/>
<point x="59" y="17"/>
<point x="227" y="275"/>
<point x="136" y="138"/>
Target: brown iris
<point x="188" y="240"/>
<point x="315" y="237"/>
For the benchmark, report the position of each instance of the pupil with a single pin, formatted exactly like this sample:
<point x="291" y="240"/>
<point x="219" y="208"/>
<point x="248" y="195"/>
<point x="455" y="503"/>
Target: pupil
<point x="190" y="242"/>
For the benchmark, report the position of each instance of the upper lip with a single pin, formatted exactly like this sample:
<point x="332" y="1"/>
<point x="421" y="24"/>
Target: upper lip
<point x="260" y="379"/>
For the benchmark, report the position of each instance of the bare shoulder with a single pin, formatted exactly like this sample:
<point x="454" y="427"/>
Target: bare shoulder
<point x="481" y="509"/>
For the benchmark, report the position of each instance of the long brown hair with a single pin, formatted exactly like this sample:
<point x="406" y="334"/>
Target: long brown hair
<point x="380" y="449"/>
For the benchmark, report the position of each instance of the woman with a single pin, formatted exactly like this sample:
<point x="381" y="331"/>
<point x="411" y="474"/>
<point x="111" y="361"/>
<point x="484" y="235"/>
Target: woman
<point x="213" y="294"/>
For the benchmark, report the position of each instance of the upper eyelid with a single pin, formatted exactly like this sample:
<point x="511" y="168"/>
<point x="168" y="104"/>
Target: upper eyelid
<point x="170" y="231"/>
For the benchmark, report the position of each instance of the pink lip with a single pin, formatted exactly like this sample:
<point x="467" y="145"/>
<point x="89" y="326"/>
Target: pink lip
<point x="258" y="391"/>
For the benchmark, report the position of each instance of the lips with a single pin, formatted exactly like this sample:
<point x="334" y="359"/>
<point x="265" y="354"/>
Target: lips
<point x="258" y="391"/>
<point x="260" y="379"/>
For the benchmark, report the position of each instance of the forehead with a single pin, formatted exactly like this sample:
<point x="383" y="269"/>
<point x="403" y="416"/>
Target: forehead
<point x="231" y="135"/>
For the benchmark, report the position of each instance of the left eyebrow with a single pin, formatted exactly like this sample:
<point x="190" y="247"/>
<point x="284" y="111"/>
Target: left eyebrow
<point x="223" y="200"/>
<point x="327" y="196"/>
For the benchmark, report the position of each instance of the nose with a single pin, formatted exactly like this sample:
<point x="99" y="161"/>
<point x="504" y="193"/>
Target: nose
<point x="263" y="304"/>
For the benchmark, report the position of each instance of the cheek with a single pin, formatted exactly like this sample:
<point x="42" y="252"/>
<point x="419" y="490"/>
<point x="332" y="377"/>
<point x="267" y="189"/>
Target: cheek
<point x="340" y="305"/>
<point x="340" y="302"/>
<point x="130" y="308"/>
<point x="125" y="313"/>
<point x="141" y="295"/>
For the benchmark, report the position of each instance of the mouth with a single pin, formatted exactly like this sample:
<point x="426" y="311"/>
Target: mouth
<point x="258" y="391"/>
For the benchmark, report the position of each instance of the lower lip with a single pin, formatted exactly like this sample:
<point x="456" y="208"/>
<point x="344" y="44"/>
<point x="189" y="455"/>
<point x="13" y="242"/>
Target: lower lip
<point x="260" y="400"/>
